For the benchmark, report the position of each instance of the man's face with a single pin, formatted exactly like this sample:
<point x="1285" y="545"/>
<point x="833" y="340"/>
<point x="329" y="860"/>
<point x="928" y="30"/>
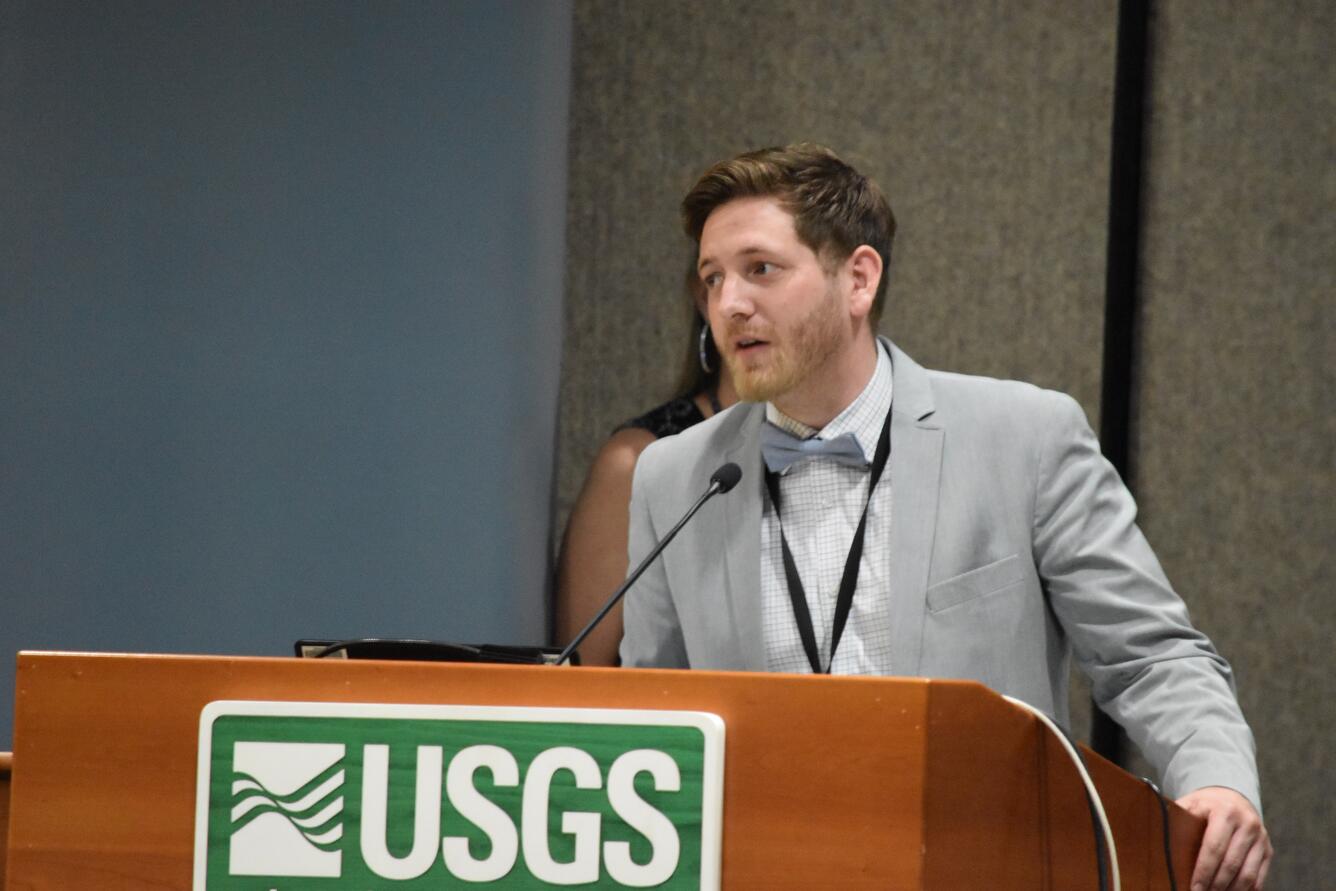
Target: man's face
<point x="778" y="317"/>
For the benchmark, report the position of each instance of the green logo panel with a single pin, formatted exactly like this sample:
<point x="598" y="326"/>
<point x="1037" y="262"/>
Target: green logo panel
<point x="423" y="797"/>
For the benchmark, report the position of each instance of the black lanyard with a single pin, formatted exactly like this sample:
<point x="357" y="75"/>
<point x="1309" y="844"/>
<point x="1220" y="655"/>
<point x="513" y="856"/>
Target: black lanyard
<point x="849" y="581"/>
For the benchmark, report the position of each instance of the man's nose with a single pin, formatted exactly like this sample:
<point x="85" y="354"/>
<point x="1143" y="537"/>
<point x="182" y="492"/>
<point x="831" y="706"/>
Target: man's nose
<point x="735" y="297"/>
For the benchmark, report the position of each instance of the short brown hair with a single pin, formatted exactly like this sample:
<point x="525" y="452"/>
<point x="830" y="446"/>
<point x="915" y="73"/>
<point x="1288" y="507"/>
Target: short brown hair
<point x="835" y="208"/>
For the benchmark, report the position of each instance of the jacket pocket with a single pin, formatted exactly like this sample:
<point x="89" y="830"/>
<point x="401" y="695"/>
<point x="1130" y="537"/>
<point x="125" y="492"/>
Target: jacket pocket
<point x="976" y="583"/>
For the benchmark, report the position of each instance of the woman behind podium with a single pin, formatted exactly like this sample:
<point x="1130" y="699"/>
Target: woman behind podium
<point x="592" y="562"/>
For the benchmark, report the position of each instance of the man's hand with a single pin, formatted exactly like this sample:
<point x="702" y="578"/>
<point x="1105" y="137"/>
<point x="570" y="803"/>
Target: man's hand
<point x="1236" y="851"/>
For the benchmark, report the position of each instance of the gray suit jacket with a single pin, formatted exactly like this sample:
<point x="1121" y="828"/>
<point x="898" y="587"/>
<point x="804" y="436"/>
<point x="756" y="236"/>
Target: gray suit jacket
<point x="1013" y="546"/>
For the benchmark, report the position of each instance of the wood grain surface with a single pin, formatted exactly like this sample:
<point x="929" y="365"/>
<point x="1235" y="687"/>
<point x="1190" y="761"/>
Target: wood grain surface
<point x="829" y="782"/>
<point x="6" y="769"/>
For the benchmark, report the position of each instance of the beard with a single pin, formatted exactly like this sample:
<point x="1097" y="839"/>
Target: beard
<point x="792" y="355"/>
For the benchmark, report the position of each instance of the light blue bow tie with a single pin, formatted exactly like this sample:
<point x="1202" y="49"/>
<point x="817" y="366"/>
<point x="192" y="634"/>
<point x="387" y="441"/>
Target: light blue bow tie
<point x="782" y="450"/>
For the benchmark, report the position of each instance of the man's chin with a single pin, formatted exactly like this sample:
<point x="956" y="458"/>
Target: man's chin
<point x="753" y="387"/>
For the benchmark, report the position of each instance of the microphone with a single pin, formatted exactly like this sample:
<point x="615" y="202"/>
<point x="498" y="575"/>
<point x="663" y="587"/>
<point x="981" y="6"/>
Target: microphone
<point x="721" y="481"/>
<point x="725" y="478"/>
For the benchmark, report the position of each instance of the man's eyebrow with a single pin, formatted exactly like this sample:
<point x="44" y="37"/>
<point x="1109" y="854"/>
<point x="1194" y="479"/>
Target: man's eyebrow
<point x="745" y="252"/>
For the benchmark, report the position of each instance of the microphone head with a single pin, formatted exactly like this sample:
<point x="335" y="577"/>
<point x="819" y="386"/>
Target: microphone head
<point x="726" y="477"/>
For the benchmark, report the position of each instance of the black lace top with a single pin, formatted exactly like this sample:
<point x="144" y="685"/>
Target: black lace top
<point x="669" y="418"/>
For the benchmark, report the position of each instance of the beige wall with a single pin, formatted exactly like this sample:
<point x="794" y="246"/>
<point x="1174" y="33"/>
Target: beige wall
<point x="988" y="126"/>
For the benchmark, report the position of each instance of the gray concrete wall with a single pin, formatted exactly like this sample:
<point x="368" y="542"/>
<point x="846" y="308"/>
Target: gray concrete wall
<point x="279" y="287"/>
<point x="1236" y="418"/>
<point x="987" y="126"/>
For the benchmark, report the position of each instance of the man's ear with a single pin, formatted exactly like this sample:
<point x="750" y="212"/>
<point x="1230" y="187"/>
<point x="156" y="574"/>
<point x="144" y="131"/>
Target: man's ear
<point x="864" y="268"/>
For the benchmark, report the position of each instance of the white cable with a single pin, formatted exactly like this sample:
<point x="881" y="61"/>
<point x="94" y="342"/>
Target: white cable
<point x="1085" y="778"/>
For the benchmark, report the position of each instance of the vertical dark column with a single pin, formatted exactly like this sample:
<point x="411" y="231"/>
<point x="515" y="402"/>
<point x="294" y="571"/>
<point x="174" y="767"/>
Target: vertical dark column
<point x="1121" y="277"/>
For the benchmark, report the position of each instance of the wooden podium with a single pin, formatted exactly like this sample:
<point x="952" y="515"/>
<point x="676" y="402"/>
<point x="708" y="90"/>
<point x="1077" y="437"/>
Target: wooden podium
<point x="844" y="782"/>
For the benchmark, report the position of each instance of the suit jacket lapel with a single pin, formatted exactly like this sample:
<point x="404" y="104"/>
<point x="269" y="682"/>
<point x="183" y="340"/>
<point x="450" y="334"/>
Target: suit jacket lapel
<point x="915" y="469"/>
<point x="742" y="542"/>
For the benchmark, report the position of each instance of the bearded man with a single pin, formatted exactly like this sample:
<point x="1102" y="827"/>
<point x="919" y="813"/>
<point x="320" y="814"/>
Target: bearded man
<point x="898" y="521"/>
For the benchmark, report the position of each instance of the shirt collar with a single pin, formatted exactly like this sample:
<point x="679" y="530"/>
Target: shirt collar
<point x="863" y="417"/>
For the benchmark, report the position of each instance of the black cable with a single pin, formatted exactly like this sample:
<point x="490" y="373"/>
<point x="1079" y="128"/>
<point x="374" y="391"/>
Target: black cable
<point x="1164" y="825"/>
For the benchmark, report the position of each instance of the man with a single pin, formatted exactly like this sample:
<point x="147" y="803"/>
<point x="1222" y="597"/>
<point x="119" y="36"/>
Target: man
<point x="898" y="521"/>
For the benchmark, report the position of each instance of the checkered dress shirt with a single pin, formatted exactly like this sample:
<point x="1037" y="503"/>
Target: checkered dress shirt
<point x="822" y="502"/>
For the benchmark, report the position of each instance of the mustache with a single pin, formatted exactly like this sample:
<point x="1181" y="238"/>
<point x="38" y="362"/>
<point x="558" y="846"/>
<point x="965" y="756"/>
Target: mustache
<point x="735" y="333"/>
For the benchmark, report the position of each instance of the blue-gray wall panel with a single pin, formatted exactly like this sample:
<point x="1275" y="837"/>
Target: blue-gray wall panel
<point x="280" y="291"/>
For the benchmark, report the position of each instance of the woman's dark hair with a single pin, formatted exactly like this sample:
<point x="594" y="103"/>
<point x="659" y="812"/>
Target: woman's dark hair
<point x="693" y="379"/>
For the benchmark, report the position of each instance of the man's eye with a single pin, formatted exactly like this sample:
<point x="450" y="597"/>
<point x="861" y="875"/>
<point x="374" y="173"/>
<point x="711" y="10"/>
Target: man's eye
<point x="763" y="268"/>
<point x="710" y="281"/>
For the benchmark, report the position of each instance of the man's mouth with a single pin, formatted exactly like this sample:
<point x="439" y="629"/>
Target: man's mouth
<point x="745" y="345"/>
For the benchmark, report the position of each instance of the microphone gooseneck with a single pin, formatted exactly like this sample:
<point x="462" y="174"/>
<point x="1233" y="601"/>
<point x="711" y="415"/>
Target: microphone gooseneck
<point x="722" y="480"/>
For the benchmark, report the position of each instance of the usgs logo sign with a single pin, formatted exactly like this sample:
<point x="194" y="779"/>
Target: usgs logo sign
<point x="329" y="796"/>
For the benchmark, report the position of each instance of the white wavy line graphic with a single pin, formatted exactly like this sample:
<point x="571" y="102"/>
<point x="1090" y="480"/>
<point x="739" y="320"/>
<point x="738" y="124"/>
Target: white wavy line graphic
<point x="259" y="797"/>
<point x="326" y="837"/>
<point x="250" y="804"/>
<point x="318" y="793"/>
<point x="305" y="801"/>
<point x="333" y="808"/>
